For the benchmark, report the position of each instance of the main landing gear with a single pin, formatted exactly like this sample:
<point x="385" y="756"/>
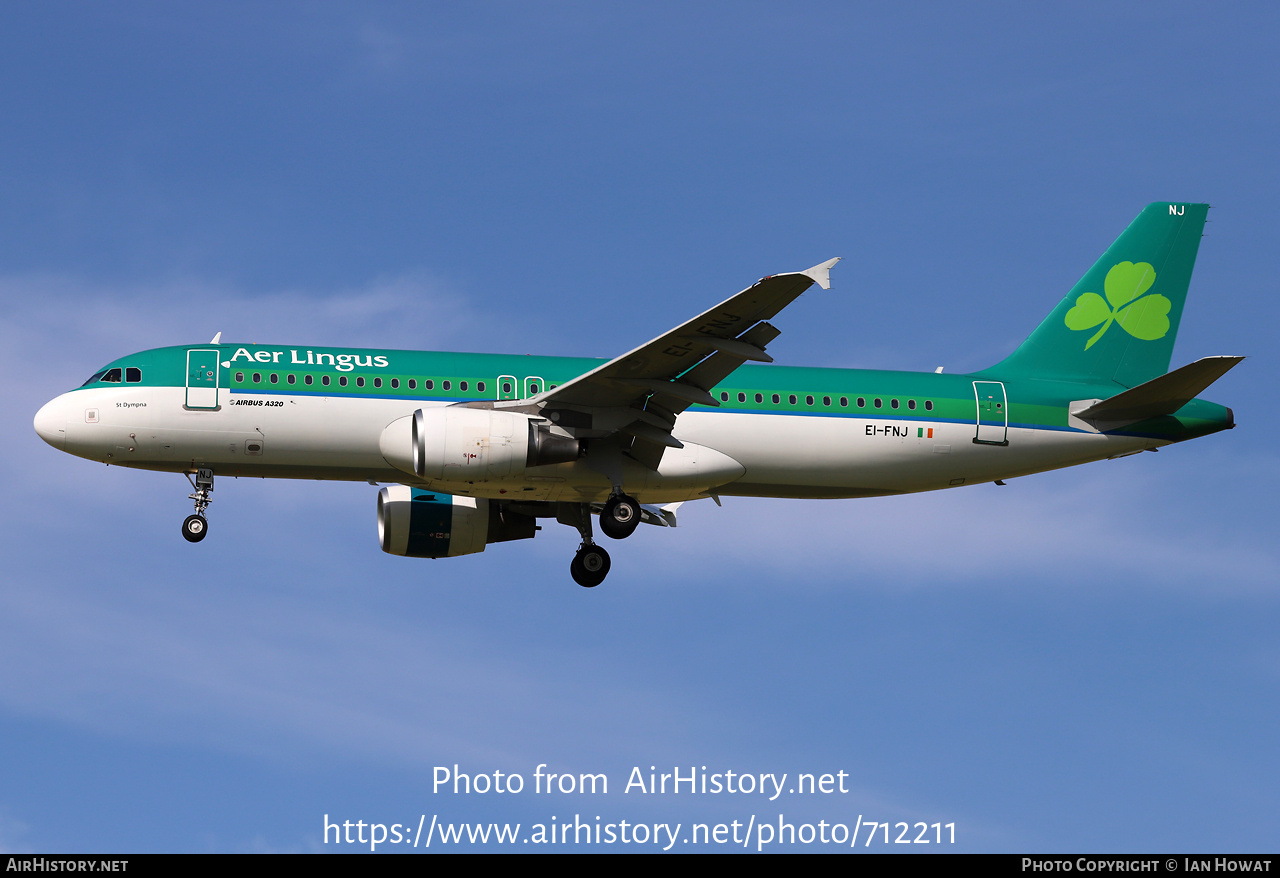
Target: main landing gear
<point x="195" y="527"/>
<point x="620" y="517"/>
<point x="591" y="563"/>
<point x="589" y="566"/>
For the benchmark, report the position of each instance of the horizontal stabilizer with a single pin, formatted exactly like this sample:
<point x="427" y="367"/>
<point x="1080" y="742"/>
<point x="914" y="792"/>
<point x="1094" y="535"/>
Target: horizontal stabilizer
<point x="1160" y="396"/>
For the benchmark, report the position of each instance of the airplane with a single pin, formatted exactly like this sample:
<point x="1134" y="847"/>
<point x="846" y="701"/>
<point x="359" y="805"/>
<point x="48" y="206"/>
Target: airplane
<point x="477" y="448"/>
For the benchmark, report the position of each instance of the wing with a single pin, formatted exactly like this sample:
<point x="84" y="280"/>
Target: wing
<point x="639" y="394"/>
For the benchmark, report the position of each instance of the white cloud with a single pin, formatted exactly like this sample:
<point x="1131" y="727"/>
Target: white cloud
<point x="55" y="330"/>
<point x="148" y="640"/>
<point x="55" y="319"/>
<point x="1111" y="524"/>
<point x="11" y="832"/>
<point x="381" y="49"/>
<point x="191" y="658"/>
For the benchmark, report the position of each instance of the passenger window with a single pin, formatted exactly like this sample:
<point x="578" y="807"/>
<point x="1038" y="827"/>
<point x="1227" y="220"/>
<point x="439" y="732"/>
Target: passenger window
<point x="413" y="384"/>
<point x="480" y="386"/>
<point x="844" y="402"/>
<point x="742" y="397"/>
<point x="911" y="404"/>
<point x="724" y="396"/>
<point x="292" y="379"/>
<point x="446" y="385"/>
<point x="826" y="400"/>
<point x="275" y="379"/>
<point x="342" y="380"/>
<point x="307" y="379"/>
<point x="429" y="384"/>
<point x="112" y="375"/>
<point x="257" y="377"/>
<point x="928" y="405"/>
<point x="239" y="376"/>
<point x="462" y="385"/>
<point x="808" y="400"/>
<point x="877" y="402"/>
<point x="893" y="403"/>
<point x="776" y="399"/>
<point x="132" y="375"/>
<point x="862" y="402"/>
<point x="377" y="382"/>
<point x="324" y="379"/>
<point x="759" y="397"/>
<point x="360" y="381"/>
<point x="792" y="399"/>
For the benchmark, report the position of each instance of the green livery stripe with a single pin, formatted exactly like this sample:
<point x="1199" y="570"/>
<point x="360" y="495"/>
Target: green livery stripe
<point x="1033" y="403"/>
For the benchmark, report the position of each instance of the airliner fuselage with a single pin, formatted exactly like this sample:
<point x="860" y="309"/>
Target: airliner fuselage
<point x="479" y="446"/>
<point x="830" y="432"/>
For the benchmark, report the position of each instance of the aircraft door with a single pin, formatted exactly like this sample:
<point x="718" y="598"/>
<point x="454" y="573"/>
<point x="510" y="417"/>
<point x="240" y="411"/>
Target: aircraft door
<point x="202" y="379"/>
<point x="993" y="413"/>
<point x="533" y="386"/>
<point x="508" y="387"/>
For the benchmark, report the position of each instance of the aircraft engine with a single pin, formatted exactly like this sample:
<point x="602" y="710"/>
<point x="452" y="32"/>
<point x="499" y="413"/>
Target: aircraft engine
<point x="428" y="524"/>
<point x="459" y="444"/>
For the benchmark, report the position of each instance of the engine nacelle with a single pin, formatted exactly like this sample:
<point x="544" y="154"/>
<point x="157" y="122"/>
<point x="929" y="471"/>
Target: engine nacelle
<point x="459" y="444"/>
<point x="428" y="524"/>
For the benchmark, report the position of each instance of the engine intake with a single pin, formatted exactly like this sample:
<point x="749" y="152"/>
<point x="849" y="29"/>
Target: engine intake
<point x="428" y="524"/>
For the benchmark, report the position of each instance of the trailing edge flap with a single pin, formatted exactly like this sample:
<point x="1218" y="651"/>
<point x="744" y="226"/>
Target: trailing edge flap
<point x="1160" y="396"/>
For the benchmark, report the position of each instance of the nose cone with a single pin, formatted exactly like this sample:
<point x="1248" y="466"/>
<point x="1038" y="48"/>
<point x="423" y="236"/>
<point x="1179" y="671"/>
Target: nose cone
<point x="51" y="423"/>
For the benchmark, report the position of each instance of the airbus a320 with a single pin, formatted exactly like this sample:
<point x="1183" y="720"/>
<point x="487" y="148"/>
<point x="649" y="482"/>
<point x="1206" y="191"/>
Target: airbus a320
<point x="477" y="448"/>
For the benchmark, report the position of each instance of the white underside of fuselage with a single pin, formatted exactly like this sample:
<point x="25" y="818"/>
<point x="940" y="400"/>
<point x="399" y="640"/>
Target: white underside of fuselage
<point x="337" y="438"/>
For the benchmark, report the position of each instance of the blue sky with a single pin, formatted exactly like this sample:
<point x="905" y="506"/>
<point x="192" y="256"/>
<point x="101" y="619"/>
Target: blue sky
<point x="1083" y="660"/>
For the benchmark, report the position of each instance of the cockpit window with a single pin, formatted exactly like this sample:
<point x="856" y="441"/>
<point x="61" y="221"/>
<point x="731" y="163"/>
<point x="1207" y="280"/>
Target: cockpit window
<point x="112" y="375"/>
<point x="132" y="375"/>
<point x="96" y="376"/>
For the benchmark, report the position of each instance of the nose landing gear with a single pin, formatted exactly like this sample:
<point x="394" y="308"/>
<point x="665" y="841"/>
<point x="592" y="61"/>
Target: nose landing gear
<point x="195" y="527"/>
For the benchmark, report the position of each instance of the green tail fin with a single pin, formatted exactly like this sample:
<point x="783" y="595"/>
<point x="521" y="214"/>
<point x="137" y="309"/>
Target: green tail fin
<point x="1119" y="322"/>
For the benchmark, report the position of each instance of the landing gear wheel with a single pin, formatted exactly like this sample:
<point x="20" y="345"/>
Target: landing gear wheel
<point x="620" y="517"/>
<point x="590" y="566"/>
<point x="195" y="528"/>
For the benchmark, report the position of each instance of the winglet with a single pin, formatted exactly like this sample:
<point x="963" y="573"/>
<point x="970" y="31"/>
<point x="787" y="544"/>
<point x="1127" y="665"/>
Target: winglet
<point x="821" y="274"/>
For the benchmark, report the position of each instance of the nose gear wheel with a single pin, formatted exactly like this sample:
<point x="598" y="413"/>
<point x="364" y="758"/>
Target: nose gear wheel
<point x="196" y="527"/>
